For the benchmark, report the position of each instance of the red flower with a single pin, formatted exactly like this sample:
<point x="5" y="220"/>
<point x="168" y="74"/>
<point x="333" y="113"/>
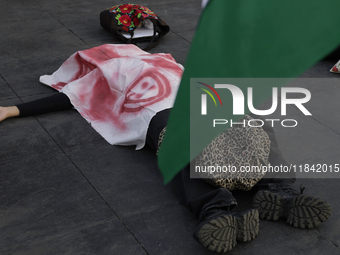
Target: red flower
<point x="125" y="20"/>
<point x="137" y="11"/>
<point x="137" y="6"/>
<point x="125" y="8"/>
<point x="136" y="21"/>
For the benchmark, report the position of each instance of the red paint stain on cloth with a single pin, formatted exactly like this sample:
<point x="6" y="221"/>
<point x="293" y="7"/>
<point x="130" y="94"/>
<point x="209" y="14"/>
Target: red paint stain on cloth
<point x="135" y="103"/>
<point x="118" y="88"/>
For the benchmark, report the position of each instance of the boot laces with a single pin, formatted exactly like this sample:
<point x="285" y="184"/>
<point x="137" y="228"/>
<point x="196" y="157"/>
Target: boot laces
<point x="302" y="188"/>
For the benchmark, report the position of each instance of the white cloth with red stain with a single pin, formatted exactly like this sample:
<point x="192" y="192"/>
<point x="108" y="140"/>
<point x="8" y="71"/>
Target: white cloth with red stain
<point x="118" y="89"/>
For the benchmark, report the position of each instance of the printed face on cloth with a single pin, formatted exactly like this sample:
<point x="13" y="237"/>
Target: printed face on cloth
<point x="118" y="89"/>
<point x="147" y="90"/>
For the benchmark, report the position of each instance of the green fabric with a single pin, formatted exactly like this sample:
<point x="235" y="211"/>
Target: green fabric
<point x="251" y="39"/>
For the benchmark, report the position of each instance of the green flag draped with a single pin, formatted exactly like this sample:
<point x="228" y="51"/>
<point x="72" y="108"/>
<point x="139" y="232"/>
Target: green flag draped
<point x="248" y="39"/>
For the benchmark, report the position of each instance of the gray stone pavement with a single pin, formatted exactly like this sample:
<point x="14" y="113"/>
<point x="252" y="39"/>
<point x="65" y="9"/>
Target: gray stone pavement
<point x="64" y="190"/>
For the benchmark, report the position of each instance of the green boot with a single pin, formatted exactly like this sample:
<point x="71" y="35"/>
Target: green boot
<point x="219" y="230"/>
<point x="283" y="201"/>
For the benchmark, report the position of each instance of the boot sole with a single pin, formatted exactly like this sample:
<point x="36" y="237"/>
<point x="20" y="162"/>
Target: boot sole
<point x="300" y="211"/>
<point x="221" y="234"/>
<point x="248" y="226"/>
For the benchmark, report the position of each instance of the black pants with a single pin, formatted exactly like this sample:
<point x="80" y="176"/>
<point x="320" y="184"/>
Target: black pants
<point x="56" y="102"/>
<point x="197" y="195"/>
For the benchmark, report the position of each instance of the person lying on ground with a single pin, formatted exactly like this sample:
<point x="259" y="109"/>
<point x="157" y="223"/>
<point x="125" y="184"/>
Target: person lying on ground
<point x="127" y="94"/>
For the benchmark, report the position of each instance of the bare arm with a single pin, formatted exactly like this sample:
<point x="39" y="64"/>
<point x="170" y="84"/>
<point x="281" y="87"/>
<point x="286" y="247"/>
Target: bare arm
<point x="7" y="112"/>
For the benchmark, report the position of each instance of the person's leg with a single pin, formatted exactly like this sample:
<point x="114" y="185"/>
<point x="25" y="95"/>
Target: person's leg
<point x="219" y="227"/>
<point x="277" y="197"/>
<point x="195" y="194"/>
<point x="8" y="112"/>
<point x="282" y="200"/>
<point x="199" y="196"/>
<point x="56" y="102"/>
